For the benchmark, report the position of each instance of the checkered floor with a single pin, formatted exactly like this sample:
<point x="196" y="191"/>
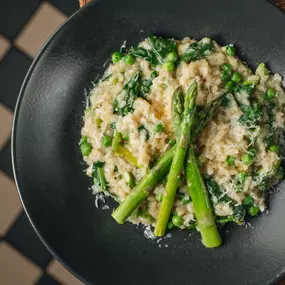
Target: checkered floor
<point x="24" y="27"/>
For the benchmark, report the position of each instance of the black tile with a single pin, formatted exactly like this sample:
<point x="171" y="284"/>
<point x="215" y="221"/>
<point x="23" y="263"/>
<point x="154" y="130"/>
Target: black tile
<point x="68" y="7"/>
<point x="6" y="161"/>
<point x="14" y="14"/>
<point x="23" y="237"/>
<point x="13" y="69"/>
<point x="47" y="280"/>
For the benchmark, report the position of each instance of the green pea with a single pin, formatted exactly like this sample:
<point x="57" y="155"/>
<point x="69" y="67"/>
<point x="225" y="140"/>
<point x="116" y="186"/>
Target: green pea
<point x="168" y="65"/>
<point x="225" y="76"/>
<point x="230" y="160"/>
<point x="252" y="152"/>
<point x="172" y="56"/>
<point x="159" y="128"/>
<point x="177" y="220"/>
<point x="98" y="121"/>
<point x="230" y="85"/>
<point x="274" y="148"/>
<point x="125" y="137"/>
<point x="247" y="159"/>
<point x="227" y="68"/>
<point x="248" y="201"/>
<point x="85" y="148"/>
<point x="236" y="77"/>
<point x="230" y="50"/>
<point x="116" y="57"/>
<point x="270" y="93"/>
<point x="159" y="197"/>
<point x="170" y="225"/>
<point x="106" y="141"/>
<point x="129" y="59"/>
<point x="253" y="211"/>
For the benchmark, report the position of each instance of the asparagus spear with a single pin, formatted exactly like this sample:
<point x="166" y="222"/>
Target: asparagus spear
<point x="121" y="151"/>
<point x="154" y="176"/>
<point x="177" y="109"/>
<point x="177" y="163"/>
<point x="201" y="202"/>
<point x="141" y="191"/>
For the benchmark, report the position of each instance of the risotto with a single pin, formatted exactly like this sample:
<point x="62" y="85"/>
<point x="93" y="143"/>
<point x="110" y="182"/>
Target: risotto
<point x="129" y="125"/>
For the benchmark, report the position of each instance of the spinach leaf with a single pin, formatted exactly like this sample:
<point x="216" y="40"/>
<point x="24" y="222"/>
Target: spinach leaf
<point x="142" y="128"/>
<point x="198" y="50"/>
<point x="98" y="175"/>
<point x="124" y="101"/>
<point x="161" y="47"/>
<point x="145" y="87"/>
<point x="251" y="114"/>
<point x="145" y="54"/>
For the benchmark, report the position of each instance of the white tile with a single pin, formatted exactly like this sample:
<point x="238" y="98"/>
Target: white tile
<point x="15" y="268"/>
<point x="41" y="25"/>
<point x="10" y="205"/>
<point x="61" y="274"/>
<point x="4" y="46"/>
<point x="6" y="120"/>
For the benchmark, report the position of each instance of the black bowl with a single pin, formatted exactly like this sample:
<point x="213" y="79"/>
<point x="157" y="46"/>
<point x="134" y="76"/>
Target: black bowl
<point x="48" y="165"/>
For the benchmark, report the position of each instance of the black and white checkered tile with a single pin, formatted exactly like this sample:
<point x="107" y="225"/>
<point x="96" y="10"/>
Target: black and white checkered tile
<point x="24" y="27"/>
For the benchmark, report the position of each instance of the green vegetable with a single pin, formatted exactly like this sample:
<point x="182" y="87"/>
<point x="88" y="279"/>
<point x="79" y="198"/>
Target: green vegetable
<point x="158" y="171"/>
<point x="129" y="178"/>
<point x="172" y="56"/>
<point x="245" y="86"/>
<point x="248" y="201"/>
<point x="170" y="225"/>
<point x="161" y="47"/>
<point x="253" y="211"/>
<point x="177" y="109"/>
<point x="85" y="147"/>
<point x="154" y="74"/>
<point x="251" y="114"/>
<point x="201" y="202"/>
<point x="116" y="57"/>
<point x="240" y="179"/>
<point x="129" y="59"/>
<point x="106" y="141"/>
<point x="230" y="160"/>
<point x="145" y="54"/>
<point x="124" y="101"/>
<point x="239" y="214"/>
<point x="177" y="162"/>
<point x="121" y="151"/>
<point x="171" y="142"/>
<point x="98" y="121"/>
<point x="168" y="65"/>
<point x="159" y="128"/>
<point x="270" y="93"/>
<point x="142" y="128"/>
<point x="247" y="159"/>
<point x="185" y="200"/>
<point x="227" y="68"/>
<point x="98" y="174"/>
<point x="230" y="85"/>
<point x="215" y="192"/>
<point x="125" y="137"/>
<point x="225" y="76"/>
<point x="236" y="77"/>
<point x="113" y="125"/>
<point x="145" y="87"/>
<point x="262" y="70"/>
<point x="230" y="50"/>
<point x="177" y="221"/>
<point x="198" y="50"/>
<point x="141" y="191"/>
<point x="159" y="197"/>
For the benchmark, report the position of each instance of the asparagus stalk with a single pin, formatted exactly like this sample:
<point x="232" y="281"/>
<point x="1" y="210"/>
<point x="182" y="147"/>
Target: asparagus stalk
<point x="177" y="163"/>
<point x="121" y="151"/>
<point x="177" y="109"/>
<point x="141" y="191"/>
<point x="154" y="176"/>
<point x="201" y="202"/>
